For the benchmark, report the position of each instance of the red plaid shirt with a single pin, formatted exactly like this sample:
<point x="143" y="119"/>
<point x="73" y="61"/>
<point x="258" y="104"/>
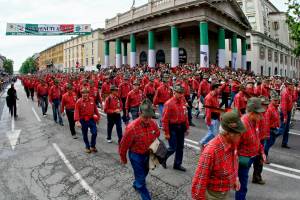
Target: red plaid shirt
<point x="54" y="93"/>
<point x="212" y="101"/>
<point x="204" y="88"/>
<point x="138" y="137"/>
<point x="149" y="89"/>
<point x="273" y="115"/>
<point x="124" y="89"/>
<point x="250" y="145"/>
<point x="112" y="103"/>
<point x="85" y="109"/>
<point x="286" y="102"/>
<point x="240" y="101"/>
<point x="175" y="112"/>
<point x="134" y="98"/>
<point x="264" y="126"/>
<point x="217" y="168"/>
<point x="68" y="101"/>
<point x="162" y="94"/>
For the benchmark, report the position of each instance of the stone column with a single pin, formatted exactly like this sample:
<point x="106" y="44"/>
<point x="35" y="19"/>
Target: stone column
<point x="151" y="49"/>
<point x="118" y="53"/>
<point x="234" y="51"/>
<point x="244" y="54"/>
<point x="124" y="53"/>
<point x="221" y="48"/>
<point x="175" y="49"/>
<point x="106" y="54"/>
<point x="204" y="47"/>
<point x="132" y="51"/>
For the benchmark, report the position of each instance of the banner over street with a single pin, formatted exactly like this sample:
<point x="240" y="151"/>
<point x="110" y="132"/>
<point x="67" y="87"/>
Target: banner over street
<point x="47" y="29"/>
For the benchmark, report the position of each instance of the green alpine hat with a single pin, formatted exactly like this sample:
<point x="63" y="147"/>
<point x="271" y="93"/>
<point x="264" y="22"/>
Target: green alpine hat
<point x="231" y="122"/>
<point x="69" y="86"/>
<point x="264" y="100"/>
<point x="136" y="82"/>
<point x="146" y="108"/>
<point x="274" y="95"/>
<point x="178" y="89"/>
<point x="113" y="88"/>
<point x="255" y="105"/>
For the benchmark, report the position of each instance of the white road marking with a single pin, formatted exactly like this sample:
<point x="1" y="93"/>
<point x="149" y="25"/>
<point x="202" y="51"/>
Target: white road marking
<point x="13" y="135"/>
<point x="5" y="112"/>
<point x="293" y="133"/>
<point x="35" y="114"/>
<point x="78" y="177"/>
<point x="265" y="168"/>
<point x="282" y="173"/>
<point x="286" y="168"/>
<point x="191" y="141"/>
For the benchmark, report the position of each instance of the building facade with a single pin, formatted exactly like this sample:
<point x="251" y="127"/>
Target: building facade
<point x="84" y="51"/>
<point x="2" y="59"/>
<point x="52" y="57"/>
<point x="269" y="47"/>
<point x="176" y="32"/>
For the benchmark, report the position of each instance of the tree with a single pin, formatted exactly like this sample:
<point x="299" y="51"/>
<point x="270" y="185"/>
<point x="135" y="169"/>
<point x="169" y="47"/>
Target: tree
<point x="293" y="20"/>
<point x="8" y="66"/>
<point x="28" y="66"/>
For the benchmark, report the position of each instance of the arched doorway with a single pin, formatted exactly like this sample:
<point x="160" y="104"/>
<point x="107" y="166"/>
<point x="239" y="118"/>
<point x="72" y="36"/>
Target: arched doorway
<point x="261" y="70"/>
<point x="269" y="71"/>
<point x="182" y="56"/>
<point x="160" y="57"/>
<point x="143" y="58"/>
<point x="275" y="71"/>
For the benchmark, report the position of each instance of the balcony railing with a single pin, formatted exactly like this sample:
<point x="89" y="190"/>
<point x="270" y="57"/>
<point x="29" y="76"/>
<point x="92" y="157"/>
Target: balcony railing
<point x="149" y="8"/>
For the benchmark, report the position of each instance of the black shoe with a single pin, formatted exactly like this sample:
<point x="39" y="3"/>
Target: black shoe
<point x="164" y="163"/>
<point x="179" y="168"/>
<point x="260" y="181"/>
<point x="285" y="146"/>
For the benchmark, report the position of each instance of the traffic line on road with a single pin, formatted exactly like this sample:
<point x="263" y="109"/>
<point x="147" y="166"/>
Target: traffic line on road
<point x="78" y="177"/>
<point x="286" y="168"/>
<point x="293" y="133"/>
<point x="266" y="168"/>
<point x="35" y="114"/>
<point x="282" y="173"/>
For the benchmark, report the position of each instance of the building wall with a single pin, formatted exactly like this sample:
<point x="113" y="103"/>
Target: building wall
<point x="53" y="54"/>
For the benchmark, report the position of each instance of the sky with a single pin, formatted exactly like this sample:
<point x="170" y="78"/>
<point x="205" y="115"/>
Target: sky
<point x="93" y="12"/>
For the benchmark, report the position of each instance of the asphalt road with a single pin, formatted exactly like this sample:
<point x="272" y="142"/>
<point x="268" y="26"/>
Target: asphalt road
<point x="40" y="160"/>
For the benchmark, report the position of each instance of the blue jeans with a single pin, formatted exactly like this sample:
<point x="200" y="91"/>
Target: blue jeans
<point x="176" y="143"/>
<point x="213" y="130"/>
<point x="56" y="110"/>
<point x="270" y="141"/>
<point x="285" y="128"/>
<point x="140" y="166"/>
<point x="85" y="125"/>
<point x="243" y="176"/>
<point x="44" y="104"/>
<point x="134" y="112"/>
<point x="160" y="109"/>
<point x="232" y="95"/>
<point x="114" y="119"/>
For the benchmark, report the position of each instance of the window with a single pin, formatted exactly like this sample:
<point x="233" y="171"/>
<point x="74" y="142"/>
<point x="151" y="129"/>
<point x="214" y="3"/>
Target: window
<point x="86" y="61"/>
<point x="281" y="58"/>
<point x="262" y="53"/>
<point x="275" y="26"/>
<point x="269" y="71"/>
<point x="286" y="60"/>
<point x="276" y="56"/>
<point x="92" y="60"/>
<point x="249" y="47"/>
<point x="270" y="55"/>
<point x="261" y="70"/>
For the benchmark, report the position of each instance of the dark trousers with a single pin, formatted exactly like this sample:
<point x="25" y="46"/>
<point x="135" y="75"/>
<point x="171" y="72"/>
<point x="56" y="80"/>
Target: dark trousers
<point x="27" y="91"/>
<point x="258" y="166"/>
<point x="176" y="143"/>
<point x="85" y="125"/>
<point x="56" y="111"/>
<point x="114" y="119"/>
<point x="270" y="141"/>
<point x="140" y="166"/>
<point x="189" y="108"/>
<point x="44" y="103"/>
<point x="224" y="100"/>
<point x="31" y="93"/>
<point x="134" y="112"/>
<point x="243" y="174"/>
<point x="232" y="95"/>
<point x="70" y="116"/>
<point x="13" y="108"/>
<point x="285" y="127"/>
<point x="124" y="117"/>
